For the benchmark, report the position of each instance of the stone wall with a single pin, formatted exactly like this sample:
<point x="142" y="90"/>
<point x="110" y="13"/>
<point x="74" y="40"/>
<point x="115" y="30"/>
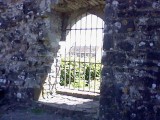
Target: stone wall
<point x="130" y="76"/>
<point x="29" y="36"/>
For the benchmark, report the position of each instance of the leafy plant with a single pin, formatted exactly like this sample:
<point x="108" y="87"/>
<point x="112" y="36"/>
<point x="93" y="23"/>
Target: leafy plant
<point x="74" y="73"/>
<point x="37" y="110"/>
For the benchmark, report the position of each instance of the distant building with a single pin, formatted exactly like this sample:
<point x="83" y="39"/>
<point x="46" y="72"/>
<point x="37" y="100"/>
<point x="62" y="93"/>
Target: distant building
<point x="85" y="51"/>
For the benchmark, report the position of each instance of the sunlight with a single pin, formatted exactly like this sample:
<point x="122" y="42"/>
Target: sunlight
<point x="86" y="32"/>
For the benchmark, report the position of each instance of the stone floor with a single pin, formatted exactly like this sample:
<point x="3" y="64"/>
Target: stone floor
<point x="57" y="107"/>
<point x="30" y="115"/>
<point x="71" y="103"/>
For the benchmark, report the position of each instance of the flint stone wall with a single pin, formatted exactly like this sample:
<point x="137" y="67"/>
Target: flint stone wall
<point x="131" y="73"/>
<point x="29" y="36"/>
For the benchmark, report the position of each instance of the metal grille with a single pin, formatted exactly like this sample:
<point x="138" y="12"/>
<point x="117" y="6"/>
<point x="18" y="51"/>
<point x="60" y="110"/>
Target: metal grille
<point x="81" y="54"/>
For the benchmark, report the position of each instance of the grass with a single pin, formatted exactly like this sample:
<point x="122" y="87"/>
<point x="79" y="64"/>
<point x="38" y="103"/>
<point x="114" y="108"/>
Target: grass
<point x="94" y="85"/>
<point x="38" y="111"/>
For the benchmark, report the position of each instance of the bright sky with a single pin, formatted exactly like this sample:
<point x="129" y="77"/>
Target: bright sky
<point x="92" y="37"/>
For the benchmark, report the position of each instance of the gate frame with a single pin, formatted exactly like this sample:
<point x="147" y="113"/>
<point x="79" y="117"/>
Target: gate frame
<point x="68" y="20"/>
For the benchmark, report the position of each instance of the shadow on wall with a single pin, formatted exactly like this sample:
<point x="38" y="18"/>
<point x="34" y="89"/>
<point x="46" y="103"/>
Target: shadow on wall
<point x="28" y="47"/>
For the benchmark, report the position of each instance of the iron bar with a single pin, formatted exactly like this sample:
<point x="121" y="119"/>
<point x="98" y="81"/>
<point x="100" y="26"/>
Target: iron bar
<point x="65" y="78"/>
<point x="70" y="36"/>
<point x="75" y="52"/>
<point x="81" y="62"/>
<point x="82" y="49"/>
<point x="85" y="29"/>
<point x="80" y="56"/>
<point x="89" y="79"/>
<point x="95" y="54"/>
<point x="85" y="53"/>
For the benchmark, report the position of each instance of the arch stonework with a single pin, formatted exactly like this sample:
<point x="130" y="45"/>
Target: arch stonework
<point x="30" y="35"/>
<point x="69" y="18"/>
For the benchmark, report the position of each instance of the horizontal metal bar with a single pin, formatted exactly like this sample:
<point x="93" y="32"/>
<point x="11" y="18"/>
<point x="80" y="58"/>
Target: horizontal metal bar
<point x="83" y="74"/>
<point x="86" y="29"/>
<point x="81" y="62"/>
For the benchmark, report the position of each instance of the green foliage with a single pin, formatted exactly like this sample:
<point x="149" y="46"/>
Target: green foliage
<point x="37" y="110"/>
<point x="75" y="73"/>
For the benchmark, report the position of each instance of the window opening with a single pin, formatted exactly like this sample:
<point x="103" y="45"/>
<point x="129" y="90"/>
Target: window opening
<point x="81" y="54"/>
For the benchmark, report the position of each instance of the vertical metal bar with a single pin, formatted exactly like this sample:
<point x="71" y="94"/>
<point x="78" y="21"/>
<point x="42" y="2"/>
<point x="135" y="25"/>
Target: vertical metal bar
<point x="90" y="54"/>
<point x="65" y="78"/>
<point x="80" y="55"/>
<point x="70" y="75"/>
<point x="70" y="36"/>
<point x="95" y="55"/>
<point x="56" y="76"/>
<point x="85" y="54"/>
<point x="75" y="32"/>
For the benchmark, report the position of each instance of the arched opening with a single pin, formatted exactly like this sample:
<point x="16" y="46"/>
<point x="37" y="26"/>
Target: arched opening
<point x="74" y="81"/>
<point x="81" y="54"/>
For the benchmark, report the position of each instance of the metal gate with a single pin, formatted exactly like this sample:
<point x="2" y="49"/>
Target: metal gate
<point x="81" y="54"/>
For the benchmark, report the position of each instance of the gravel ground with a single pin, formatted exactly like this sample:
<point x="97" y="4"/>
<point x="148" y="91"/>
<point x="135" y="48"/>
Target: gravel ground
<point x="18" y="115"/>
<point x="15" y="112"/>
<point x="59" y="107"/>
<point x="21" y="115"/>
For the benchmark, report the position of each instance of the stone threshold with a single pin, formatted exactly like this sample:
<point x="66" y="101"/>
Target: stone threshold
<point x="67" y="105"/>
<point x="78" y="93"/>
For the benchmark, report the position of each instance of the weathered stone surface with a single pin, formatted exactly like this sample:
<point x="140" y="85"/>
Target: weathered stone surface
<point x="29" y="36"/>
<point x="130" y="76"/>
<point x="26" y="48"/>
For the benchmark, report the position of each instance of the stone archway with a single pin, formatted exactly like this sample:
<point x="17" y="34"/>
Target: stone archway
<point x="30" y="32"/>
<point x="85" y="35"/>
<point x="66" y="16"/>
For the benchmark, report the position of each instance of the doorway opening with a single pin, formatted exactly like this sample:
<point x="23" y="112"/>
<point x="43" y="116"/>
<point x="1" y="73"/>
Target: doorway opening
<point x="80" y="67"/>
<point x="76" y="73"/>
